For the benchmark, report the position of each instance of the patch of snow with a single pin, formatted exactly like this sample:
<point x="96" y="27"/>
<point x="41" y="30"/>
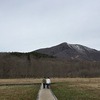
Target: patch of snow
<point x="77" y="48"/>
<point x="80" y="48"/>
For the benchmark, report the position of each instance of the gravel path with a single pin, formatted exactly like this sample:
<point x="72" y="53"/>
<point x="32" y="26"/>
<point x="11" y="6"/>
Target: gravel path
<point x="46" y="94"/>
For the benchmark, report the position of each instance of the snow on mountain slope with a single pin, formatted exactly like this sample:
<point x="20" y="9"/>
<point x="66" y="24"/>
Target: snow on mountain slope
<point x="71" y="51"/>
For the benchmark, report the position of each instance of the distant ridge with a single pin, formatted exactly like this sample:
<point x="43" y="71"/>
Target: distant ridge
<point x="72" y="51"/>
<point x="63" y="60"/>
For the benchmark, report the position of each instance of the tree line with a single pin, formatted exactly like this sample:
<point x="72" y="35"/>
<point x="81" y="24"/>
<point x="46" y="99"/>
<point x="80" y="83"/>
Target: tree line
<point x="28" y="65"/>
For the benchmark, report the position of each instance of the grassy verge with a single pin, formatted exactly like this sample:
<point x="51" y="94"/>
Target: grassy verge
<point x="77" y="90"/>
<point x="20" y="81"/>
<point x="19" y="92"/>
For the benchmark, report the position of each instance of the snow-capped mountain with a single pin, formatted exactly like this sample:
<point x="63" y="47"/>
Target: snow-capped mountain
<point x="72" y="51"/>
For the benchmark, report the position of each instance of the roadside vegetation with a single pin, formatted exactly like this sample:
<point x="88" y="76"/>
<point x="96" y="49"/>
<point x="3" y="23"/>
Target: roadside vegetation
<point x="77" y="89"/>
<point x="19" y="92"/>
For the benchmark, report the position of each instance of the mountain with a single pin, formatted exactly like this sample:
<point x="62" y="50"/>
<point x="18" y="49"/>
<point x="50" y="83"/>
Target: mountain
<point x="71" y="51"/>
<point x="75" y="61"/>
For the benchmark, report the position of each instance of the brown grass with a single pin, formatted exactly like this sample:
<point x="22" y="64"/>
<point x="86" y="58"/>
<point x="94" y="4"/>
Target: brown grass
<point x="19" y="81"/>
<point x="82" y="82"/>
<point x="87" y="82"/>
<point x="76" y="88"/>
<point x="23" y="92"/>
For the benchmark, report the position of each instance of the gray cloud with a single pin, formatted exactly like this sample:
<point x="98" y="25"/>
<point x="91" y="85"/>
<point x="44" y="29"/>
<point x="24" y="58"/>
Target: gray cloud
<point x="26" y="25"/>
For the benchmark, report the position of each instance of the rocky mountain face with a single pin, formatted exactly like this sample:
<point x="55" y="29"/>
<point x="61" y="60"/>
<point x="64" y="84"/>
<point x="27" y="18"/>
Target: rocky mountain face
<point x="72" y="51"/>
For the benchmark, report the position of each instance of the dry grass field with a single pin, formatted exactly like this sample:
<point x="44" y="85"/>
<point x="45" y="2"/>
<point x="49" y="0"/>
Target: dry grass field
<point x="19" y="89"/>
<point x="87" y="82"/>
<point x="54" y="80"/>
<point x="77" y="88"/>
<point x="19" y="81"/>
<point x="19" y="92"/>
<point x="63" y="88"/>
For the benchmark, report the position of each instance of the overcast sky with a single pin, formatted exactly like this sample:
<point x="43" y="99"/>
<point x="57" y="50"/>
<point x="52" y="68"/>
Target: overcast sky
<point x="27" y="25"/>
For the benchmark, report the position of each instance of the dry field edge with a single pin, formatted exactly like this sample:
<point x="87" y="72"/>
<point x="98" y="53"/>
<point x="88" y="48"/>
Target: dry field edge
<point x="30" y="81"/>
<point x="25" y="81"/>
<point x="88" y="87"/>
